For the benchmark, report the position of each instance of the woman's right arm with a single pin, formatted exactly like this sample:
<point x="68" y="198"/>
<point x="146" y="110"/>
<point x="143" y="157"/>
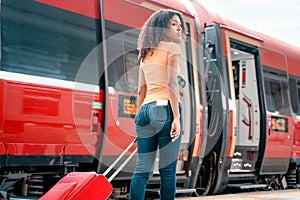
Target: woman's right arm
<point x="173" y="63"/>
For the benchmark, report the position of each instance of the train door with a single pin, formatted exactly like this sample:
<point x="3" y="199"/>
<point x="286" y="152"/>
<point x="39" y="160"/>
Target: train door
<point x="279" y="132"/>
<point x="121" y="74"/>
<point x="213" y="173"/>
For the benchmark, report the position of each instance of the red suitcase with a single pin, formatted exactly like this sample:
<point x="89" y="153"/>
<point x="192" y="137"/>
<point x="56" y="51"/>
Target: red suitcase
<point x="87" y="185"/>
<point x="80" y="186"/>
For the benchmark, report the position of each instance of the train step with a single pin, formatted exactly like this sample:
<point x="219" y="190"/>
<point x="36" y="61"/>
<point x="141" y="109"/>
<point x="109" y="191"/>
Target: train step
<point x="246" y="186"/>
<point x="182" y="179"/>
<point x="178" y="191"/>
<point x="241" y="176"/>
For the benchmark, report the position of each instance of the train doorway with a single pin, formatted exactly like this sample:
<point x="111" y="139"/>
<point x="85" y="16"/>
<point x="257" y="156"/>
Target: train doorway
<point x="248" y="116"/>
<point x="247" y="107"/>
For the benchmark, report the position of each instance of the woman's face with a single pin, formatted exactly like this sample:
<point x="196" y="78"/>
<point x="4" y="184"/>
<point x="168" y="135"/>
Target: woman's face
<point x="174" y="34"/>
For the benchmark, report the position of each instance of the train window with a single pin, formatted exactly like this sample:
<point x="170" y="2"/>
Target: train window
<point x="236" y="76"/>
<point x="277" y="93"/>
<point x="270" y="102"/>
<point x="41" y="40"/>
<point x="294" y="93"/>
<point x="122" y="56"/>
<point x="131" y="61"/>
<point x="298" y="94"/>
<point x="298" y="111"/>
<point x="298" y="91"/>
<point x="286" y="109"/>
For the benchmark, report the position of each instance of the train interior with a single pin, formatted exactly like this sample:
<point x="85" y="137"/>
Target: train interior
<point x="248" y="115"/>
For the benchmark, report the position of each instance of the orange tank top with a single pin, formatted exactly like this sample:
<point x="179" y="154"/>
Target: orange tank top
<point x="156" y="73"/>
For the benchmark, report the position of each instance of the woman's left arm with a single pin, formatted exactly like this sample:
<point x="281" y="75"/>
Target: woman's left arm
<point x="142" y="88"/>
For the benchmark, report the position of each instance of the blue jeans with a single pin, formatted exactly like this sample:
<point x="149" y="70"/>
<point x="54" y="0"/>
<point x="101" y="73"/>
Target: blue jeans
<point x="153" y="126"/>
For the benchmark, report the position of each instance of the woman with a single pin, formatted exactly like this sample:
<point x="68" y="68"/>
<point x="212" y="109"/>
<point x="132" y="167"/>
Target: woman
<point x="158" y="122"/>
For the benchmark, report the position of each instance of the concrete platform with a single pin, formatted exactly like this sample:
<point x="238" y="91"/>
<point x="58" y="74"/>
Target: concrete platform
<point x="264" y="195"/>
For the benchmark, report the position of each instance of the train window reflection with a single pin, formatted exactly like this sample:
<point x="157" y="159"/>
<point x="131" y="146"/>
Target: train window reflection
<point x="298" y="94"/>
<point x="294" y="95"/>
<point x="298" y="112"/>
<point x="286" y="107"/>
<point x="131" y="61"/>
<point x="276" y="92"/>
<point x="37" y="40"/>
<point x="122" y="57"/>
<point x="298" y="86"/>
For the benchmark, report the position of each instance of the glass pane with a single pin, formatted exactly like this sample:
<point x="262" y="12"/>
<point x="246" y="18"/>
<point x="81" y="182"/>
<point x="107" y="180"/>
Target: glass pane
<point x="286" y="108"/>
<point x="276" y="93"/>
<point x="42" y="40"/>
<point x="294" y="95"/>
<point x="298" y="100"/>
<point x="270" y="102"/>
<point x="122" y="54"/>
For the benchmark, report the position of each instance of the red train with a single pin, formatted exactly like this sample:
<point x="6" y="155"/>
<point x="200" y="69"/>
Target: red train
<point x="68" y="88"/>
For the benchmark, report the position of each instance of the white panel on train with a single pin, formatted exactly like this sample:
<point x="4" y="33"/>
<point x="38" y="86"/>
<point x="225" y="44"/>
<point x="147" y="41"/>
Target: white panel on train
<point x="248" y="126"/>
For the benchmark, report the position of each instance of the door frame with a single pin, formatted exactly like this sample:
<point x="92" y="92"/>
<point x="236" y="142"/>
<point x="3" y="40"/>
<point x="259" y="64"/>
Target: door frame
<point x="246" y="39"/>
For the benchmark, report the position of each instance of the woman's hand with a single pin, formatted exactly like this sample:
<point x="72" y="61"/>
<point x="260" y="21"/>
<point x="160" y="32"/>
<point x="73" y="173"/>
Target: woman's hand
<point x="175" y="129"/>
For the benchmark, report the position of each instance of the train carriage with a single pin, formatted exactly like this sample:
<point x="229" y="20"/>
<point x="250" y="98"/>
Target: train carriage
<point x="68" y="94"/>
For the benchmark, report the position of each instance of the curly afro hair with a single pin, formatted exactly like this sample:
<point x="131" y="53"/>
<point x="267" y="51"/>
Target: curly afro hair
<point x="154" y="29"/>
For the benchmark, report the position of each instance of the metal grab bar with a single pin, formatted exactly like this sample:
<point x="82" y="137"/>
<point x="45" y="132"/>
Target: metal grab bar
<point x="249" y="124"/>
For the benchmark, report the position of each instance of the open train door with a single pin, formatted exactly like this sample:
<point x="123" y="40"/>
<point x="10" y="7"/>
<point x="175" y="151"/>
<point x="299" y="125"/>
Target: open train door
<point x="279" y="131"/>
<point x="213" y="172"/>
<point x="121" y="67"/>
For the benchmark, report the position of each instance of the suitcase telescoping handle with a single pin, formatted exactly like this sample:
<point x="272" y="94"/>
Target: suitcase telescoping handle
<point x="118" y="159"/>
<point x="85" y="185"/>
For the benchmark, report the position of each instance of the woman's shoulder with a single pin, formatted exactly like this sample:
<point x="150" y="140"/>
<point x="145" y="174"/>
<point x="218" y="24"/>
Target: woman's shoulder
<point x="170" y="46"/>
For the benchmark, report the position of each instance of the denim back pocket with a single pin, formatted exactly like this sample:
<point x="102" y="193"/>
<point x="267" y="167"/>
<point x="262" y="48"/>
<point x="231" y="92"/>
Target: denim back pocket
<point x="141" y="118"/>
<point x="160" y="113"/>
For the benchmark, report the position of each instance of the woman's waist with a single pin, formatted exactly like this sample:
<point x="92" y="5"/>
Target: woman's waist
<point x="160" y="101"/>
